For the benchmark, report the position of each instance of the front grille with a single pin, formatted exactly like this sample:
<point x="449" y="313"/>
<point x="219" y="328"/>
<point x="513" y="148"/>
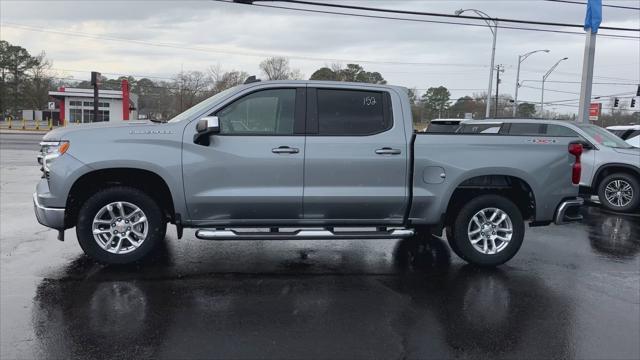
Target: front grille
<point x="41" y="154"/>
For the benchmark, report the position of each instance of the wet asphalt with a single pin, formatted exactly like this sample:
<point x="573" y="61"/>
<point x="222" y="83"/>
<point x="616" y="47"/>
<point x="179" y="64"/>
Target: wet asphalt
<point x="573" y="291"/>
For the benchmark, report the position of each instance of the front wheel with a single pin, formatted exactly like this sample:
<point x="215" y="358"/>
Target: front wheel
<point x="120" y="225"/>
<point x="487" y="231"/>
<point x="619" y="192"/>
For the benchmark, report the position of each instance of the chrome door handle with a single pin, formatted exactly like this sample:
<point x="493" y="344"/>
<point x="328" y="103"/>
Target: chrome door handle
<point x="285" y="150"/>
<point x="388" y="151"/>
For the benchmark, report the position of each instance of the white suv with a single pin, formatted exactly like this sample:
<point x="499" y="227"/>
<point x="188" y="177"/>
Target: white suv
<point x="628" y="133"/>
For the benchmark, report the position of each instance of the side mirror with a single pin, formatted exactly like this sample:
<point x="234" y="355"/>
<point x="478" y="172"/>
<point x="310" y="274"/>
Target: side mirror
<point x="585" y="144"/>
<point x="206" y="126"/>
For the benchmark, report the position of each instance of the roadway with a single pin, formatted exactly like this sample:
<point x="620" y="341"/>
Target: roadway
<point x="573" y="291"/>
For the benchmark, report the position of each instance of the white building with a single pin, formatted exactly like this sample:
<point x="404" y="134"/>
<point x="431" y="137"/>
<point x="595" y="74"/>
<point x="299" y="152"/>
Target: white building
<point x="76" y="105"/>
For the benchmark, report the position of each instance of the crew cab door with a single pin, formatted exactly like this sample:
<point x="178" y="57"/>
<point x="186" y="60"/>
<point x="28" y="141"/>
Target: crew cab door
<point x="252" y="171"/>
<point x="355" y="157"/>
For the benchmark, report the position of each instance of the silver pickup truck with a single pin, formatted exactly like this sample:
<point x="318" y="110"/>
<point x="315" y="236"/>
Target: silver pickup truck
<point x="302" y="160"/>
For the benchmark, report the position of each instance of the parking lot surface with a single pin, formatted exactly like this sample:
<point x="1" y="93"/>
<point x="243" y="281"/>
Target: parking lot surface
<point x="573" y="291"/>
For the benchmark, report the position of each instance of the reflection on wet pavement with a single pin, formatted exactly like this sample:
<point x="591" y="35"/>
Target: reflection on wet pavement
<point x="427" y="307"/>
<point x="616" y="235"/>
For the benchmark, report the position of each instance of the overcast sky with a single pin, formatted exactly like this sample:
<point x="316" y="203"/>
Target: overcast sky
<point x="159" y="38"/>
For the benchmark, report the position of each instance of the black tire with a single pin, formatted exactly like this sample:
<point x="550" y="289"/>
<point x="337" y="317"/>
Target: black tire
<point x="157" y="224"/>
<point x="452" y="242"/>
<point x="461" y="243"/>
<point x="629" y="179"/>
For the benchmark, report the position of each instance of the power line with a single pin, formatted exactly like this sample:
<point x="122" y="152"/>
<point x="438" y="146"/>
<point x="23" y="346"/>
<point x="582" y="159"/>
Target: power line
<point x="552" y="90"/>
<point x="575" y="74"/>
<point x="228" y="52"/>
<point x="578" y="82"/>
<point x="603" y="5"/>
<point x="621" y="37"/>
<point x="407" y="12"/>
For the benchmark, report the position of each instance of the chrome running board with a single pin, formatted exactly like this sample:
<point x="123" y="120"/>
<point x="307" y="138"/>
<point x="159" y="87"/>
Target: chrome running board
<point x="302" y="234"/>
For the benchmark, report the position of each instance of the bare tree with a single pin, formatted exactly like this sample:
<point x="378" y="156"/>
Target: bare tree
<point x="277" y="68"/>
<point x="36" y="89"/>
<point x="223" y="80"/>
<point x="190" y="88"/>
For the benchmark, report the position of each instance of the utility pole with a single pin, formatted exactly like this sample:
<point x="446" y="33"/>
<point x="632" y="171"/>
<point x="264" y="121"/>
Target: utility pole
<point x="95" y="82"/>
<point x="499" y="69"/>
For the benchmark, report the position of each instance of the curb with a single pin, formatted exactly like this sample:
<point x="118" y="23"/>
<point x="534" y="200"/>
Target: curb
<point x="21" y="131"/>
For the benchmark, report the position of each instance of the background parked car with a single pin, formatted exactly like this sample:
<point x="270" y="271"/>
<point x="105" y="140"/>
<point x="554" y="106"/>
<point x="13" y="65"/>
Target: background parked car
<point x="443" y="125"/>
<point x="474" y="127"/>
<point x="610" y="166"/>
<point x="628" y="133"/>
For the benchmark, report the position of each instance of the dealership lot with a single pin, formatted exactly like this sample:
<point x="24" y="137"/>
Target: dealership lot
<point x="572" y="292"/>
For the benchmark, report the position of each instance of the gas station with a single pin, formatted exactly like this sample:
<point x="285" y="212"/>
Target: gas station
<point x="76" y="105"/>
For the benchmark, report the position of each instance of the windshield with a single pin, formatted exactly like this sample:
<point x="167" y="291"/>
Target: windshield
<point x="203" y="105"/>
<point x="604" y="137"/>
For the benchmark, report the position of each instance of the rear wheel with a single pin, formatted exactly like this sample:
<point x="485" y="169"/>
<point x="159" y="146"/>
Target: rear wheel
<point x="487" y="231"/>
<point x="619" y="192"/>
<point x="120" y="225"/>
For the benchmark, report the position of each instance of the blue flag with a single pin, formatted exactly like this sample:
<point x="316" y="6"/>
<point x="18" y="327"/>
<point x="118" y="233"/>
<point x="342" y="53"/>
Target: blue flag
<point x="594" y="15"/>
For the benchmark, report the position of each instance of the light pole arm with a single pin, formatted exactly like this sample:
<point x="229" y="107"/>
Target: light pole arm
<point x="525" y="56"/>
<point x="494" y="31"/>
<point x="522" y="58"/>
<point x="487" y="19"/>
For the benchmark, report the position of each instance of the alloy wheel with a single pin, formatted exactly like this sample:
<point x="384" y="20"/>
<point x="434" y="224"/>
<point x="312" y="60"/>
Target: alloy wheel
<point x="490" y="231"/>
<point x="120" y="227"/>
<point x="618" y="193"/>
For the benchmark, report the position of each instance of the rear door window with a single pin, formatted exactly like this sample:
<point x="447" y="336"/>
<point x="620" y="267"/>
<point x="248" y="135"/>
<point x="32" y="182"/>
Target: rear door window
<point x="352" y="112"/>
<point x="633" y="134"/>
<point x="619" y="133"/>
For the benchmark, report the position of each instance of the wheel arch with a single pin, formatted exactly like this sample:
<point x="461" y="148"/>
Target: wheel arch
<point x="146" y="181"/>
<point x="512" y="187"/>
<point x="611" y="168"/>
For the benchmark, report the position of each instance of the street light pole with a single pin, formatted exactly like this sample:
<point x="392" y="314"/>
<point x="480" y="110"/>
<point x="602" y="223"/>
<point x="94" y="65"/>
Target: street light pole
<point x="494" y="31"/>
<point x="522" y="58"/>
<point x="499" y="69"/>
<point x="544" y="78"/>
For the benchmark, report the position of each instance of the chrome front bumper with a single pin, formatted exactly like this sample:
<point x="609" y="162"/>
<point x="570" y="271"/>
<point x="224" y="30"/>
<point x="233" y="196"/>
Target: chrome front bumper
<point x="49" y="217"/>
<point x="568" y="211"/>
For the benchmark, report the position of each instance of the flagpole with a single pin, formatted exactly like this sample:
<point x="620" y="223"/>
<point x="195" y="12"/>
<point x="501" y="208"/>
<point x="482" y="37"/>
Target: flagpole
<point x="591" y="24"/>
<point x="587" y="76"/>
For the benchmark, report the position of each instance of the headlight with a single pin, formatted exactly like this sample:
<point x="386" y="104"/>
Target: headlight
<point x="49" y="151"/>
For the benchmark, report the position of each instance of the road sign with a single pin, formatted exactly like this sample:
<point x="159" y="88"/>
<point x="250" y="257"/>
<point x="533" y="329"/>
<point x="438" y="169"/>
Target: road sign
<point x="51" y="105"/>
<point x="594" y="111"/>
